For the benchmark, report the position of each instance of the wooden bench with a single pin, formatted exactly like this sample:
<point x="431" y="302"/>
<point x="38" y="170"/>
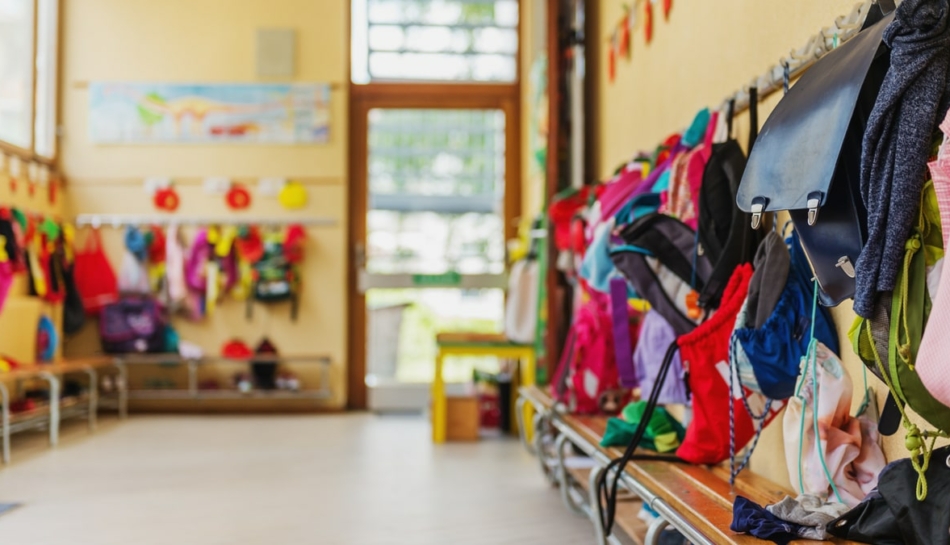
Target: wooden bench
<point x="49" y="415"/>
<point x="695" y="500"/>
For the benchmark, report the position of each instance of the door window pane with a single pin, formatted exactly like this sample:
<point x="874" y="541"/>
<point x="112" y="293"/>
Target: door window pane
<point x="403" y="324"/>
<point x="16" y="72"/>
<point x="436" y="191"/>
<point x="444" y="40"/>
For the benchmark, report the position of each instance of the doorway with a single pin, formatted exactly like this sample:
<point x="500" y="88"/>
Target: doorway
<point x="434" y="200"/>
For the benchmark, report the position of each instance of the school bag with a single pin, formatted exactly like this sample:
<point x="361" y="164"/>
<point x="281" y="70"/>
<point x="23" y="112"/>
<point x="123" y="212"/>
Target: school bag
<point x="276" y="277"/>
<point x="841" y="457"/>
<point x="95" y="278"/>
<point x="807" y="159"/>
<point x="658" y="257"/>
<point x="889" y="341"/>
<point x="132" y="325"/>
<point x="774" y="350"/>
<point x="654" y="339"/>
<point x="725" y="232"/>
<point x="521" y="307"/>
<point x="587" y="380"/>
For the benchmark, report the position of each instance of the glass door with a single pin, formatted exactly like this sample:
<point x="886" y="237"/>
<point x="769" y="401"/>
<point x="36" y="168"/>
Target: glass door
<point x="435" y="243"/>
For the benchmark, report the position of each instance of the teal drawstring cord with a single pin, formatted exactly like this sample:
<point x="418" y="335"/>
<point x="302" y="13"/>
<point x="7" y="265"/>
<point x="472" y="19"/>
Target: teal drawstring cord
<point x="810" y="362"/>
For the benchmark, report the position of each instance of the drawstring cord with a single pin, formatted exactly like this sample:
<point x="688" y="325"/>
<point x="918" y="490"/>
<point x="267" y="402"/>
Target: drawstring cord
<point x="915" y="441"/>
<point x="757" y="419"/>
<point x="810" y="365"/>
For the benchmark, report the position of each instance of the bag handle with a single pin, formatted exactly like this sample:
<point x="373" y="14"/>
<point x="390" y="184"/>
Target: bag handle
<point x="620" y="317"/>
<point x="93" y="242"/>
<point x="753" y="116"/>
<point x="607" y="493"/>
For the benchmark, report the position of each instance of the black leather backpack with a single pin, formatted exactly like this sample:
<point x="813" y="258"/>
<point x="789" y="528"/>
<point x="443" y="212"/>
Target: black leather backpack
<point x="808" y="155"/>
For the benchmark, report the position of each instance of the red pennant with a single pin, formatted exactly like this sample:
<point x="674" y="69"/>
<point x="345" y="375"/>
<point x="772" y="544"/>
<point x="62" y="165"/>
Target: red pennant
<point x="648" y="21"/>
<point x="667" y="6"/>
<point x="625" y="36"/>
<point x="612" y="62"/>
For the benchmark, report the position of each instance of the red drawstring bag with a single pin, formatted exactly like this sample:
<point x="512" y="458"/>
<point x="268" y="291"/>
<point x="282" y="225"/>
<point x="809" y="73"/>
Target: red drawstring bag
<point x="705" y="351"/>
<point x="95" y="278"/>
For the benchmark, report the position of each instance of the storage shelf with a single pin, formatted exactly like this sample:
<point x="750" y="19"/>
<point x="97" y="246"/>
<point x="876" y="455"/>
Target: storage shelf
<point x="194" y="393"/>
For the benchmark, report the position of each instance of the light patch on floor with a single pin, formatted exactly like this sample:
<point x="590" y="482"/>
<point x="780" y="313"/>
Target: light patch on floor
<point x="233" y="480"/>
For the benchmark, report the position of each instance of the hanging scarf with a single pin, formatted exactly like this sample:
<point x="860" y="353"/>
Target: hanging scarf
<point x="897" y="142"/>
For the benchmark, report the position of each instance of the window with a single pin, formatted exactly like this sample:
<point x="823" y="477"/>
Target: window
<point x="436" y="191"/>
<point x="28" y="69"/>
<point x="434" y="40"/>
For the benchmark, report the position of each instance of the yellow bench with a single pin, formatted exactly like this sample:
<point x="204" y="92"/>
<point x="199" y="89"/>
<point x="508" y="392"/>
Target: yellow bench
<point x="469" y="344"/>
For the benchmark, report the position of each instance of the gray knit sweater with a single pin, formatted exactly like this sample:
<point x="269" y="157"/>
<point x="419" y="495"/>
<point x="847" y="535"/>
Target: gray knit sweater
<point x="897" y="141"/>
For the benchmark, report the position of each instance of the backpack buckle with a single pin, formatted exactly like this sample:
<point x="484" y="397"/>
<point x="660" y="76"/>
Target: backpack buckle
<point x="844" y="263"/>
<point x="814" y="202"/>
<point x="758" y="207"/>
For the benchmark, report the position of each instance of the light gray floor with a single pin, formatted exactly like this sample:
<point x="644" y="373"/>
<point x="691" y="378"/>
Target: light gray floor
<point x="227" y="480"/>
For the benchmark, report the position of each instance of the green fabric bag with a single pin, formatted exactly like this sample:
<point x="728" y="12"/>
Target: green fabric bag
<point x="663" y="434"/>
<point x="888" y="343"/>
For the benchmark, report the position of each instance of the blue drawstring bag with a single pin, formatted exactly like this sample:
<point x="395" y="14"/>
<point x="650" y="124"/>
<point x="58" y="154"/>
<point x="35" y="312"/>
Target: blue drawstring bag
<point x="774" y="351"/>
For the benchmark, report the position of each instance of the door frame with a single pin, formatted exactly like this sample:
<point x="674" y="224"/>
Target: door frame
<point x="363" y="98"/>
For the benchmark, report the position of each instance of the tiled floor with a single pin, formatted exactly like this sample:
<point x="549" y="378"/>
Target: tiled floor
<point x="225" y="480"/>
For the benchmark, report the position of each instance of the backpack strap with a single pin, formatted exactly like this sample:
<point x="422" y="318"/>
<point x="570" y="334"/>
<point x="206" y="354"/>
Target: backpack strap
<point x="753" y="117"/>
<point x="623" y="350"/>
<point x="607" y="493"/>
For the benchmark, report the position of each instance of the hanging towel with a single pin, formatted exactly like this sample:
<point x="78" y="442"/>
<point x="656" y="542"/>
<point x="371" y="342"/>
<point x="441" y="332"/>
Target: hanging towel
<point x="897" y="141"/>
<point x="847" y="448"/>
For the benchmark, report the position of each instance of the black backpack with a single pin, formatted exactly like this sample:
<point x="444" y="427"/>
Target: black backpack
<point x="660" y="261"/>
<point x="725" y="233"/>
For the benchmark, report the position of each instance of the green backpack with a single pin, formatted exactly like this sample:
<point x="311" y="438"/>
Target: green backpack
<point x="275" y="280"/>
<point x="888" y="342"/>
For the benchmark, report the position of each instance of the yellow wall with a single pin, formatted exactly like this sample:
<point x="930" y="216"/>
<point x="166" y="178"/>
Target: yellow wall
<point x="705" y="51"/>
<point x="214" y="41"/>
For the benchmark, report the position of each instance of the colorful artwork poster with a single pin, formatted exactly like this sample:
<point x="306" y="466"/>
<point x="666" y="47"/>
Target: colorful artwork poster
<point x="155" y="113"/>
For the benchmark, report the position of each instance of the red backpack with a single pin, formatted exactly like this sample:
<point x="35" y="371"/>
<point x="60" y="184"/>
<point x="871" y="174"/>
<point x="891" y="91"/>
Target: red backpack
<point x="587" y="379"/>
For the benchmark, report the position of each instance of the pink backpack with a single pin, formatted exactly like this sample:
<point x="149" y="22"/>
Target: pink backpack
<point x="587" y="380"/>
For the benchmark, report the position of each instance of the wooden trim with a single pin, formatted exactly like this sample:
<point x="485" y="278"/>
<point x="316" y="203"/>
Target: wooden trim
<point x="29" y="155"/>
<point x="554" y="304"/>
<point x="25" y="154"/>
<point x="435" y="95"/>
<point x="60" y="33"/>
<point x="356" y="398"/>
<point x="36" y="38"/>
<point x="364" y="98"/>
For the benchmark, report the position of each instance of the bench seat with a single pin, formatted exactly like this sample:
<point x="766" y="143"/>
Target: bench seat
<point x="696" y="500"/>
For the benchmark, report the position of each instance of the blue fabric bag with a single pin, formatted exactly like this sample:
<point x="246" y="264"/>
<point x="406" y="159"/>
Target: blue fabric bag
<point x="774" y="351"/>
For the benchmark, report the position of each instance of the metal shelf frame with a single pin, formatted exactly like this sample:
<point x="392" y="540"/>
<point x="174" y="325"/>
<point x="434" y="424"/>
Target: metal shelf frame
<point x="193" y="392"/>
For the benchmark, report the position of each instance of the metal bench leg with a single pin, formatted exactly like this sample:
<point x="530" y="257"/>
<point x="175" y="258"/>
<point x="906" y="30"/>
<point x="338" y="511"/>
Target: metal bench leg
<point x="5" y="408"/>
<point x="539" y="425"/>
<point x="522" y="430"/>
<point x="123" y="389"/>
<point x="93" y="397"/>
<point x="54" y="401"/>
<point x="653" y="532"/>
<point x="600" y="537"/>
<point x="564" y="478"/>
